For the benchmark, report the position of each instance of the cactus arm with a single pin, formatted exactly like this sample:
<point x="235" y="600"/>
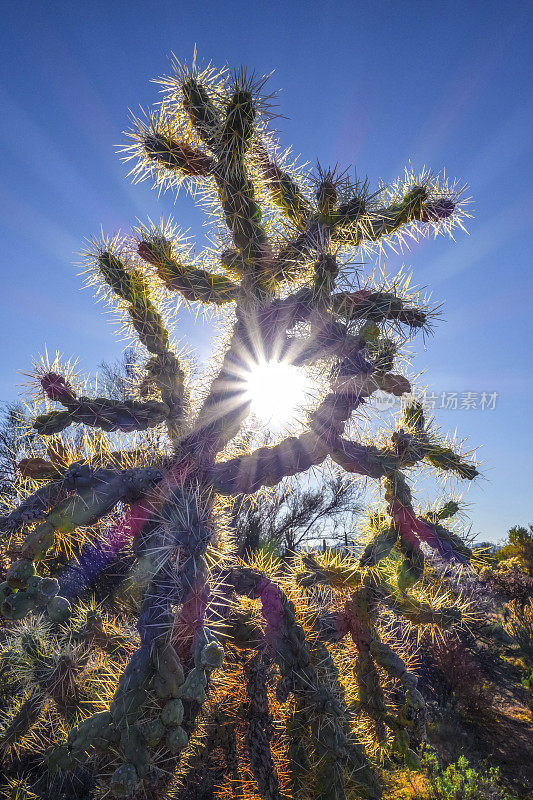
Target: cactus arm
<point x="24" y="719"/>
<point x="292" y="257"/>
<point x="164" y="366"/>
<point x="236" y="191"/>
<point x="447" y="459"/>
<point x="284" y="190"/>
<point x="89" y="504"/>
<point x="449" y="536"/>
<point x="156" y="663"/>
<point x="379" y="547"/>
<point x="33" y="507"/>
<point x="415" y="441"/>
<point x="77" y="477"/>
<point x="422" y="613"/>
<point x="376" y="306"/>
<point x="409" y="525"/>
<point x="192" y="283"/>
<point x="108" y="415"/>
<point x="177" y="156"/>
<point x="130" y="285"/>
<point x="202" y="111"/>
<point x="365" y="460"/>
<point x="355" y="225"/>
<point x="267" y="466"/>
<point x="356" y="619"/>
<point x="259" y="730"/>
<point x="387" y="220"/>
<point x="324" y="710"/>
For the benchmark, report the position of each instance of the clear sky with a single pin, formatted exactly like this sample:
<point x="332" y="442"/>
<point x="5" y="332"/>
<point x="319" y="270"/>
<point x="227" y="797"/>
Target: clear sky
<point x="374" y="85"/>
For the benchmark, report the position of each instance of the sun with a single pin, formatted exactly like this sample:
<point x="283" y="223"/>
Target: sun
<point x="277" y="391"/>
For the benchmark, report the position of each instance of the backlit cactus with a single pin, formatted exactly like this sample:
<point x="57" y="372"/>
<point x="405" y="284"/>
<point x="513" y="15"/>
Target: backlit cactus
<point x="267" y="678"/>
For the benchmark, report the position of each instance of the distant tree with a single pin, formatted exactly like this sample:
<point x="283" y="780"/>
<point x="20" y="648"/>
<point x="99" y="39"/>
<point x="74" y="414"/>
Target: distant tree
<point x="121" y="378"/>
<point x="519" y="545"/>
<point x="290" y="520"/>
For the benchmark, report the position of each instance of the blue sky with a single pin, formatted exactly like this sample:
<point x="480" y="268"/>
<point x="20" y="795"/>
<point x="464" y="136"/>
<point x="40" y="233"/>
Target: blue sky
<point x="374" y="85"/>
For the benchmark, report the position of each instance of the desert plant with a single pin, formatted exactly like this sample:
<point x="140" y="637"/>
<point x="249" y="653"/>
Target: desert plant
<point x="460" y="781"/>
<point x="519" y="546"/>
<point x="509" y="584"/>
<point x="290" y="520"/>
<point x="462" y="675"/>
<point x="276" y="679"/>
<point x="519" y="625"/>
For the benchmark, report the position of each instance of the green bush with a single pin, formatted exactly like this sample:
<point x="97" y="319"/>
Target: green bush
<point x="460" y="781"/>
<point x="519" y="625"/>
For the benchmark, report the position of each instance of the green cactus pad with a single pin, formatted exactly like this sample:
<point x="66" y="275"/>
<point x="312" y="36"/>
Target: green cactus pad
<point x="176" y="739"/>
<point x="59" y="609"/>
<point x="19" y="573"/>
<point x="194" y="686"/>
<point x="18" y="605"/>
<point x="124" y="780"/>
<point x="172" y="713"/>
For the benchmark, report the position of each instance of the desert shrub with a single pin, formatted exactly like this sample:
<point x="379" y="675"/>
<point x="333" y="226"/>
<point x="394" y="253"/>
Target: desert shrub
<point x="462" y="675"/>
<point x="510" y="584"/>
<point x="519" y="546"/>
<point x="460" y="781"/>
<point x="519" y="625"/>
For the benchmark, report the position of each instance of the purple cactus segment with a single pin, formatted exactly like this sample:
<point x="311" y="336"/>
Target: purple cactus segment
<point x="443" y="548"/>
<point x="56" y="387"/>
<point x="437" y="210"/>
<point x="93" y="560"/>
<point x="99" y="555"/>
<point x="272" y="605"/>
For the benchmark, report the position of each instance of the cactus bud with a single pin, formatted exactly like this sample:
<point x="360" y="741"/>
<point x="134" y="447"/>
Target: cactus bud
<point x="46" y="590"/>
<point x="56" y="387"/>
<point x="147" y="253"/>
<point x="153" y="732"/>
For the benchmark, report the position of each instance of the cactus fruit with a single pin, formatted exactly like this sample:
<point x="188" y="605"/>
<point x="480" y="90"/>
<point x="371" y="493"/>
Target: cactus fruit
<point x="273" y="673"/>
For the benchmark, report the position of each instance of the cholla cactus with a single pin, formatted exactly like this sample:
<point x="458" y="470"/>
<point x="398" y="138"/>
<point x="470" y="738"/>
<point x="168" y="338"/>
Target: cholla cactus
<point x="271" y="679"/>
